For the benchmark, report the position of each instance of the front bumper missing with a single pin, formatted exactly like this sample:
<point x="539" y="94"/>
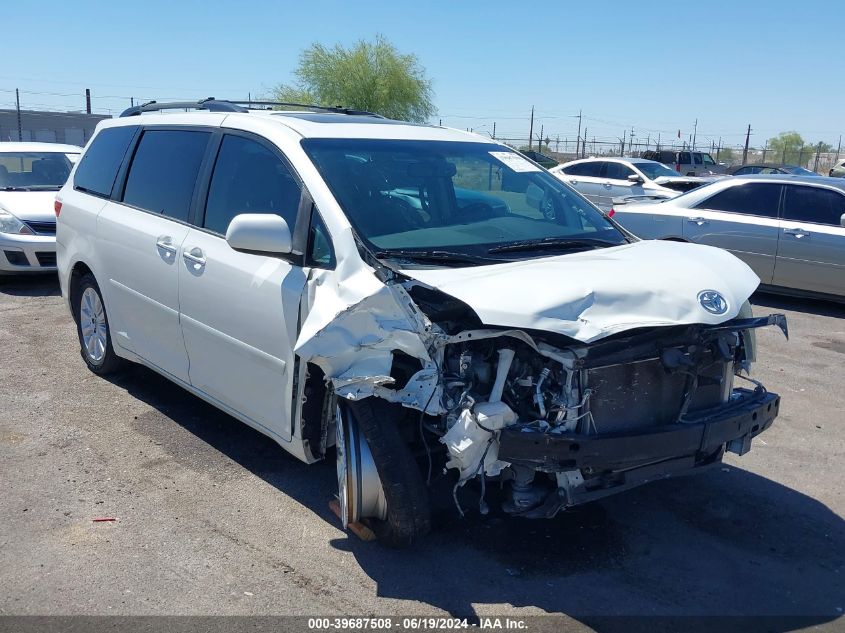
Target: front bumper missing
<point x="609" y="463"/>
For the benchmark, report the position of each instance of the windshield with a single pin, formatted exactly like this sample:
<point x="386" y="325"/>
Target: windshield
<point x="31" y="171"/>
<point x="800" y="171"/>
<point x="656" y="170"/>
<point x="455" y="198"/>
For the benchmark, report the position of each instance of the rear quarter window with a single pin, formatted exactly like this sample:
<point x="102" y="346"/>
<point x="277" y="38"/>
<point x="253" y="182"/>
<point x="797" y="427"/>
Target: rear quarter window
<point x="100" y="163"/>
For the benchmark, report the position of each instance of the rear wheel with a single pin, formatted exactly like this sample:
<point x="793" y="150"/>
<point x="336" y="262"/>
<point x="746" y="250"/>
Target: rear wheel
<point x="378" y="480"/>
<point x="92" y="327"/>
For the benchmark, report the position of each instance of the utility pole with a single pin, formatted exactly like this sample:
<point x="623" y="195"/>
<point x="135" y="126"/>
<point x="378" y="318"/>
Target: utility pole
<point x="494" y="129"/>
<point x="531" y="129"/>
<point x="622" y="152"/>
<point x="578" y="138"/>
<point x="631" y="140"/>
<point x="18" y="107"/>
<point x="818" y="151"/>
<point x="765" y="150"/>
<point x="557" y="144"/>
<point x="584" y="146"/>
<point x="694" y="133"/>
<point x="88" y="100"/>
<point x="540" y="140"/>
<point x="838" y="148"/>
<point x="745" y="151"/>
<point x="718" y="149"/>
<point x="131" y="102"/>
<point x="658" y="141"/>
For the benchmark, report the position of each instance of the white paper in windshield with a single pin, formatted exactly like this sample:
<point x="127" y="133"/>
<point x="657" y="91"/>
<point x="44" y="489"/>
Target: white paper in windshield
<point x="515" y="161"/>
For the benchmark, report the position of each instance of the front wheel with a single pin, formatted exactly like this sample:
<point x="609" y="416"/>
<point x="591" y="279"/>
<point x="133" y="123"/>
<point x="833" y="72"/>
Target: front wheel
<point x="92" y="327"/>
<point x="378" y="479"/>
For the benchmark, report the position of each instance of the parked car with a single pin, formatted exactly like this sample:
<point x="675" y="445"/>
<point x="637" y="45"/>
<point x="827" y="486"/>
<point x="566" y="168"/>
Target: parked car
<point x="539" y="158"/>
<point x="687" y="162"/>
<point x="769" y="168"/>
<point x="838" y="169"/>
<point x="30" y="176"/>
<point x="602" y="180"/>
<point x="789" y="229"/>
<point x="340" y="279"/>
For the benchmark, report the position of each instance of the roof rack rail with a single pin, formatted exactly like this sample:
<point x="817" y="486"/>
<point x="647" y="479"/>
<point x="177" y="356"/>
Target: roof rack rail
<point x="222" y="105"/>
<point x="307" y="106"/>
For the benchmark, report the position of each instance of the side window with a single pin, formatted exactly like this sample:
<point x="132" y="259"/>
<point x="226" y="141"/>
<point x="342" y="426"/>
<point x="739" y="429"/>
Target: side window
<point x="751" y="199"/>
<point x="320" y="253"/>
<point x="697" y="158"/>
<point x="99" y="166"/>
<point x="684" y="158"/>
<point x="618" y="171"/>
<point x="591" y="169"/>
<point x="249" y="178"/>
<point x="164" y="171"/>
<point x="813" y="204"/>
<point x="708" y="159"/>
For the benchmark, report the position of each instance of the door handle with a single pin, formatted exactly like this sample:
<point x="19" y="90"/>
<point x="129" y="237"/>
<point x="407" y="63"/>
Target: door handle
<point x="698" y="221"/>
<point x="194" y="256"/>
<point x="165" y="243"/>
<point x="607" y="185"/>
<point x="798" y="233"/>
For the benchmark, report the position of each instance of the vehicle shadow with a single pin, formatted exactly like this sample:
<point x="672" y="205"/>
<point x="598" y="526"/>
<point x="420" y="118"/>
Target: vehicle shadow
<point x="726" y="542"/>
<point x="43" y="285"/>
<point x="798" y="304"/>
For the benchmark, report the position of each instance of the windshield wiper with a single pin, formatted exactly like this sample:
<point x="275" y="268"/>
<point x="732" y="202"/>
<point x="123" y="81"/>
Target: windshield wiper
<point x="436" y="256"/>
<point x="554" y="243"/>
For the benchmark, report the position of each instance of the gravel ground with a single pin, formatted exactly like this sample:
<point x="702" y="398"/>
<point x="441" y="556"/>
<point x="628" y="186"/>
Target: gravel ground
<point x="213" y="518"/>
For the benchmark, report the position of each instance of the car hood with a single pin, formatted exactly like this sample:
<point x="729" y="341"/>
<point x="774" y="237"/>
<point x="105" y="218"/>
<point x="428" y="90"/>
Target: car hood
<point x="662" y="180"/>
<point x="591" y="295"/>
<point x="36" y="206"/>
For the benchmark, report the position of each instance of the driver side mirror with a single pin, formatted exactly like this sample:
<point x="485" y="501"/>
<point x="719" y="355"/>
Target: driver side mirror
<point x="259" y="233"/>
<point x="635" y="179"/>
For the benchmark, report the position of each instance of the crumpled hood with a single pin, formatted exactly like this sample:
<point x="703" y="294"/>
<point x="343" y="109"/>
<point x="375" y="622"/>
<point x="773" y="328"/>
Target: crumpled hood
<point x="594" y="294"/>
<point x="36" y="206"/>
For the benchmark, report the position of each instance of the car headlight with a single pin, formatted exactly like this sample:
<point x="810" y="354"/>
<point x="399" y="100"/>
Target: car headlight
<point x="10" y="224"/>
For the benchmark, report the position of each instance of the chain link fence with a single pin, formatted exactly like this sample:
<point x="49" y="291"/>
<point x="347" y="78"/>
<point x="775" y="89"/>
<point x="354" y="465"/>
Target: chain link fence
<point x="567" y="149"/>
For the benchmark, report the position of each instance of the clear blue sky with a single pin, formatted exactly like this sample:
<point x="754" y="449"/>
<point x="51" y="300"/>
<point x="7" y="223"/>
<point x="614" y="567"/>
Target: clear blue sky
<point x="656" y="66"/>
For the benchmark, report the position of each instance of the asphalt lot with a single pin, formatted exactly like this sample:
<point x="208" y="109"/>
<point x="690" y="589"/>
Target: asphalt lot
<point x="214" y="518"/>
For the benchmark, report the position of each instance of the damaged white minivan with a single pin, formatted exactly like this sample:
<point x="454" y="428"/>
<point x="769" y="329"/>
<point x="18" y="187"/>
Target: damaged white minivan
<point x="428" y="302"/>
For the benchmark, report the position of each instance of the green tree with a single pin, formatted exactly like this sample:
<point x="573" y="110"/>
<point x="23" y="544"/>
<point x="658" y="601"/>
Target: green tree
<point x="372" y="76"/>
<point x="789" y="147"/>
<point x="726" y="155"/>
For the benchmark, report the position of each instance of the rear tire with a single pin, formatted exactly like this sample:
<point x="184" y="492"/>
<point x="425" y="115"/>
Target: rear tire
<point x="92" y="328"/>
<point x="407" y="516"/>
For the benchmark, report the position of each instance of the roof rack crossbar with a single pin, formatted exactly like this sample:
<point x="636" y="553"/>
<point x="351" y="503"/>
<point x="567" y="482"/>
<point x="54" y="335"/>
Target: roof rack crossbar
<point x="221" y="105"/>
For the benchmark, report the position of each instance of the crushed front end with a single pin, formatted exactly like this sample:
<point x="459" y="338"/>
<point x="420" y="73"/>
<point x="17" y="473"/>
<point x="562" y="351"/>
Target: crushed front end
<point x="562" y="424"/>
<point x="555" y="421"/>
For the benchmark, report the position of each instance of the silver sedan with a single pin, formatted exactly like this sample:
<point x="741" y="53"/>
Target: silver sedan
<point x="789" y="229"/>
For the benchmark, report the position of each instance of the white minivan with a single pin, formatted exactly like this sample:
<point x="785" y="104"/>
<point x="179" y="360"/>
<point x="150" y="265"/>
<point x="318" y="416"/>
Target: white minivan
<point x="422" y="299"/>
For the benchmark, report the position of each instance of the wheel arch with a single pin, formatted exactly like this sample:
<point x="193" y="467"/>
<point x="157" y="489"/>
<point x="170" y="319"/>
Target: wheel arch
<point x="77" y="272"/>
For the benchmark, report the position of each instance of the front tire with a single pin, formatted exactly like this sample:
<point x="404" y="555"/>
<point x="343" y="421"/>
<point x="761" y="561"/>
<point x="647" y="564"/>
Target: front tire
<point x="378" y="478"/>
<point x="92" y="328"/>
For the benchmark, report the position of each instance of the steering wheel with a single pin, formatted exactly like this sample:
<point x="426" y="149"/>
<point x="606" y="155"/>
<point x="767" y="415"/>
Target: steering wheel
<point x="549" y="207"/>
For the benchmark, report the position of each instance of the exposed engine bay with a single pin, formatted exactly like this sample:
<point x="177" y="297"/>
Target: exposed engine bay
<point x="555" y="420"/>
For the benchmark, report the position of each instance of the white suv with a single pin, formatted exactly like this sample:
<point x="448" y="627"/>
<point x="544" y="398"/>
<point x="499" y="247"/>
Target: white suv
<point x="416" y="296"/>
